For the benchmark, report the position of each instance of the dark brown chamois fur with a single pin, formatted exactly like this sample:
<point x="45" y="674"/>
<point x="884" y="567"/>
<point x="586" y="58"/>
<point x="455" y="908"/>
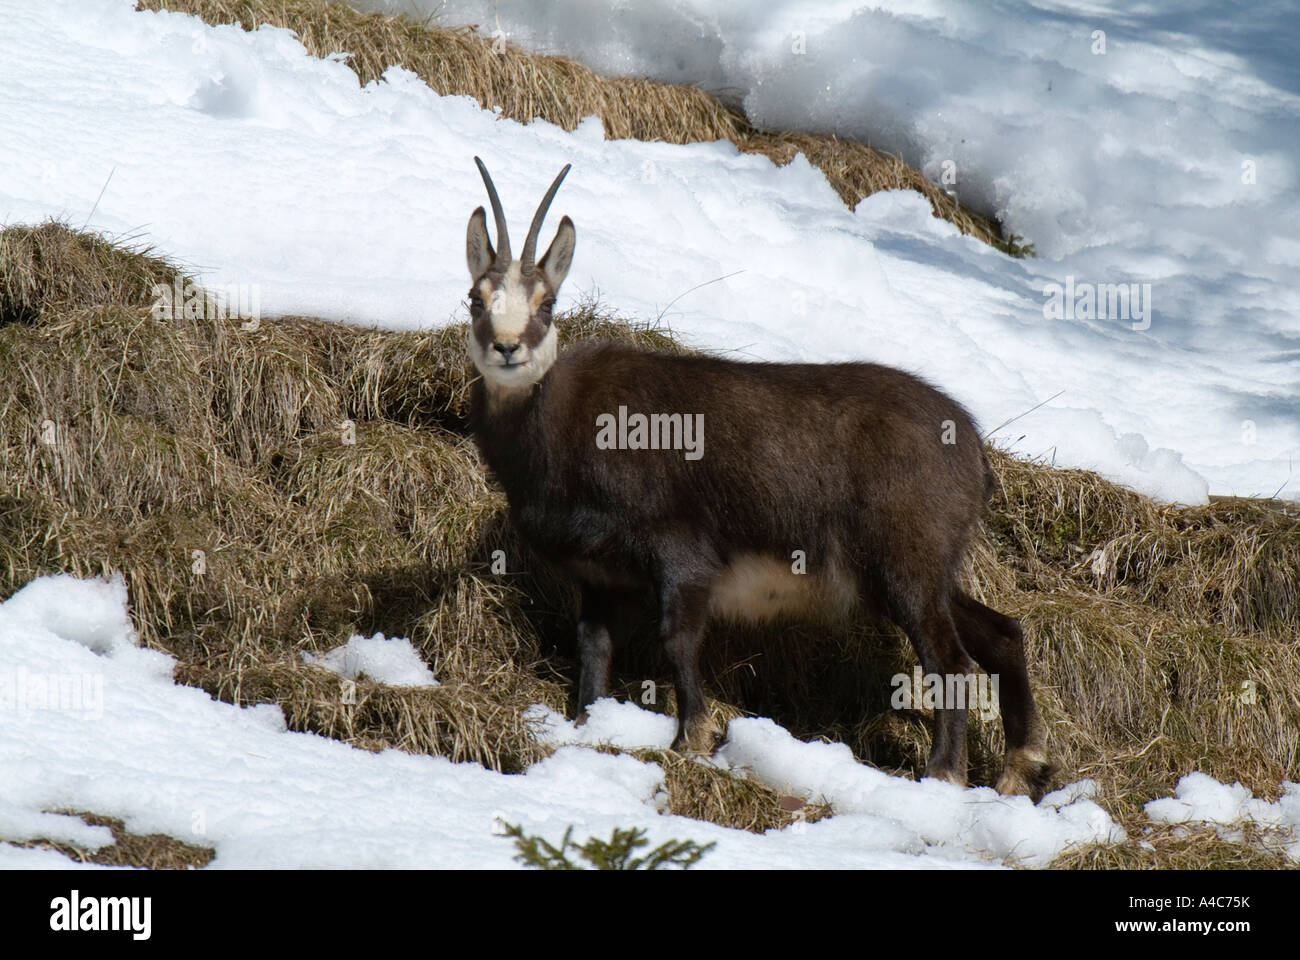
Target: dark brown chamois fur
<point x="876" y="477"/>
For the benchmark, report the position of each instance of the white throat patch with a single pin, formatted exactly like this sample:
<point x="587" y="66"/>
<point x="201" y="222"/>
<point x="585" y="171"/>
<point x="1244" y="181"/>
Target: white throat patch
<point x="503" y="381"/>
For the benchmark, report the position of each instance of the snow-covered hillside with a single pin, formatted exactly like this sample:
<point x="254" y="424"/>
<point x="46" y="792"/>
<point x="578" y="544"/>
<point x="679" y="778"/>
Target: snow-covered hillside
<point x="258" y="165"/>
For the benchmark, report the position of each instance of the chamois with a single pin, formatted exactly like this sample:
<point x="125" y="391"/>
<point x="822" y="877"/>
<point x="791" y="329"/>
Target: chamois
<point x="876" y="476"/>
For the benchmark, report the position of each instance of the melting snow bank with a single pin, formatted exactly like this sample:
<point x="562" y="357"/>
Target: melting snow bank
<point x="974" y="822"/>
<point x="871" y="808"/>
<point x="362" y="214"/>
<point x="94" y="722"/>
<point x="1200" y="799"/>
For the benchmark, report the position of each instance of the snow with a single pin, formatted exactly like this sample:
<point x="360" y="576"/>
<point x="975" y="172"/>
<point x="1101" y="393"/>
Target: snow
<point x="18" y="824"/>
<point x="1044" y="123"/>
<point x="930" y="812"/>
<point x="896" y="812"/>
<point x="258" y="165"/>
<point x="622" y="725"/>
<point x="169" y="759"/>
<point x="391" y="661"/>
<point x="1200" y="799"/>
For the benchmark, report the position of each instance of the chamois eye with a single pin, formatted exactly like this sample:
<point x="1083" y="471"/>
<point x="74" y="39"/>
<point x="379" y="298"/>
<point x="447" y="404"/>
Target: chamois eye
<point x="544" y="311"/>
<point x="475" y="304"/>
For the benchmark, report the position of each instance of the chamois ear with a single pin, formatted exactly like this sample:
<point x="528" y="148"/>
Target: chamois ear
<point x="478" y="248"/>
<point x="555" y="265"/>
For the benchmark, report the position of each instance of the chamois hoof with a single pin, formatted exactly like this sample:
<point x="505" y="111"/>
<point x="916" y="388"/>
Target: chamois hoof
<point x="699" y="740"/>
<point x="947" y="776"/>
<point x="1026" y="773"/>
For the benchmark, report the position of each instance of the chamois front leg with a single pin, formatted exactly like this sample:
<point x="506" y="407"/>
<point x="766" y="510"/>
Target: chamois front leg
<point x="685" y="609"/>
<point x="595" y="648"/>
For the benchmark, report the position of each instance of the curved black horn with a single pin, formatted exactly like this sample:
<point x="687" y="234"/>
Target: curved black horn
<point x="530" y="245"/>
<point x="503" y="236"/>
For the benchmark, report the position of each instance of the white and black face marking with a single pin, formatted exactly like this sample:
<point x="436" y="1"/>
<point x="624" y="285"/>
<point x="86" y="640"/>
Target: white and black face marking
<point x="512" y="340"/>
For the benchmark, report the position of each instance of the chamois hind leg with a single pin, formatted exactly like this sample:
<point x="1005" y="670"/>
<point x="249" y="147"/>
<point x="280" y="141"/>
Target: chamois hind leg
<point x="921" y="605"/>
<point x="685" y="608"/>
<point x="997" y="644"/>
<point x="940" y="651"/>
<point x="595" y="647"/>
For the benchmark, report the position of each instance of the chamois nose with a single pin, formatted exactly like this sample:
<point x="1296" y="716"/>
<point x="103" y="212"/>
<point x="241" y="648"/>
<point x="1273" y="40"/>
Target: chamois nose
<point x="506" y="350"/>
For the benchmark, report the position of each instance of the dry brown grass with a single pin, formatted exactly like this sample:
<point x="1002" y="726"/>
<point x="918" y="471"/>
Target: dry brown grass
<point x="1162" y="847"/>
<point x="127" y="443"/>
<point x="702" y="791"/>
<point x="562" y="91"/>
<point x="43" y="268"/>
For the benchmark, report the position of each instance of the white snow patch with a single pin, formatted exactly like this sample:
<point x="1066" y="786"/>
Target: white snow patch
<point x="973" y="822"/>
<point x="1200" y="799"/>
<point x="18" y="824"/>
<point x="97" y="621"/>
<point x="623" y="725"/>
<point x="387" y="660"/>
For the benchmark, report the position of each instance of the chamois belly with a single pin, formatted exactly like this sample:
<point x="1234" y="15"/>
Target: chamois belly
<point x="756" y="588"/>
